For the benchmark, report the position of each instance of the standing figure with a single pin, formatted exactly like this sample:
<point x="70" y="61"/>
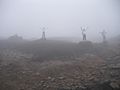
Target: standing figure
<point x="103" y="33"/>
<point x="83" y="33"/>
<point x="43" y="34"/>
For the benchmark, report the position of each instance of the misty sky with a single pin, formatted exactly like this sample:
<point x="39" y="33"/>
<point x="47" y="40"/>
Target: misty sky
<point x="63" y="18"/>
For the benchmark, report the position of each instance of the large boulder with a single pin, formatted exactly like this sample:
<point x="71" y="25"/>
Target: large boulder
<point x="86" y="44"/>
<point x="15" y="38"/>
<point x="85" y="47"/>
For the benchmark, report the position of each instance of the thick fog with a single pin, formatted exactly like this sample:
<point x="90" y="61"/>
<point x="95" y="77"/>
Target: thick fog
<point x="62" y="18"/>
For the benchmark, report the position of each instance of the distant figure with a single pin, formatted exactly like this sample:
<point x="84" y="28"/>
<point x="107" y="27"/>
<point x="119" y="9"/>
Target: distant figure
<point x="43" y="34"/>
<point x="103" y="33"/>
<point x="83" y="33"/>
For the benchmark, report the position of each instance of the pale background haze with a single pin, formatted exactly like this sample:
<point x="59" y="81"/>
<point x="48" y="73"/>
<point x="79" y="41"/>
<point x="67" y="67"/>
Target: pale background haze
<point x="62" y="18"/>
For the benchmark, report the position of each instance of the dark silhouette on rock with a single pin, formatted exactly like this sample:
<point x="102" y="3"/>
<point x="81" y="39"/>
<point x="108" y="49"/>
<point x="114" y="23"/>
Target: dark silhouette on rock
<point x="43" y="33"/>
<point x="103" y="33"/>
<point x="83" y="33"/>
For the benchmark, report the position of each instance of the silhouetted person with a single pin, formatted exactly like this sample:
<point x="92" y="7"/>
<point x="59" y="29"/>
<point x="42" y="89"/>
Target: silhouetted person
<point x="43" y="34"/>
<point x="83" y="33"/>
<point x="103" y="33"/>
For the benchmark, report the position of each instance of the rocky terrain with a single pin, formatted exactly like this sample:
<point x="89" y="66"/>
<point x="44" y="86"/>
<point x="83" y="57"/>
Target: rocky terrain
<point x="53" y="65"/>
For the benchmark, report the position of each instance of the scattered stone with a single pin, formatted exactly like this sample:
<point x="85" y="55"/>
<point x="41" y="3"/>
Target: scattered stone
<point x="61" y="78"/>
<point x="114" y="85"/>
<point x="37" y="73"/>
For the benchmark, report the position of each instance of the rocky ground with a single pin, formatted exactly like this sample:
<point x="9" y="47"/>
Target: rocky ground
<point x="99" y="70"/>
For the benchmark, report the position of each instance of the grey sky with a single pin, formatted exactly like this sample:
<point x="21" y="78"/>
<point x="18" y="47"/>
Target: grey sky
<point x="61" y="17"/>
